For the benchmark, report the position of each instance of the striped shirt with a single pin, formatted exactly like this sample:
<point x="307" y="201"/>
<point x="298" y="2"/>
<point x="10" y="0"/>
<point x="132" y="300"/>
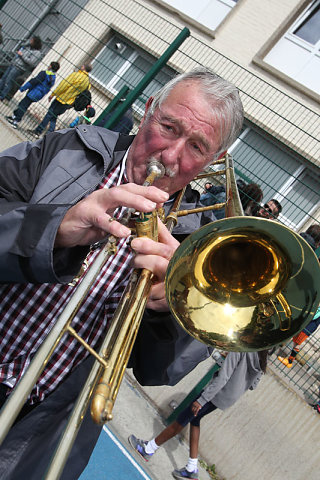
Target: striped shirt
<point x="28" y="312"/>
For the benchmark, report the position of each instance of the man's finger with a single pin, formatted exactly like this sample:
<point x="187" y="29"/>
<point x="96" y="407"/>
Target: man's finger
<point x="146" y="246"/>
<point x="141" y="198"/>
<point x="155" y="263"/>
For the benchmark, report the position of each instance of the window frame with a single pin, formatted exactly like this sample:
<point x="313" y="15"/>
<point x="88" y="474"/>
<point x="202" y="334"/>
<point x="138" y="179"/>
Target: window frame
<point x="297" y="175"/>
<point x="196" y="23"/>
<point x="138" y="51"/>
<point x="292" y="21"/>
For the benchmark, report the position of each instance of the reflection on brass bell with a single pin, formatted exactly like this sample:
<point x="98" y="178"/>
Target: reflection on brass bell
<point x="243" y="284"/>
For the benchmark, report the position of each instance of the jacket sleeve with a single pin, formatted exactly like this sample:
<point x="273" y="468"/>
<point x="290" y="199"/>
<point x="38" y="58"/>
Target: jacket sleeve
<point x="219" y="381"/>
<point x="30" y="57"/>
<point x="25" y="86"/>
<point x="33" y="82"/>
<point x="28" y="230"/>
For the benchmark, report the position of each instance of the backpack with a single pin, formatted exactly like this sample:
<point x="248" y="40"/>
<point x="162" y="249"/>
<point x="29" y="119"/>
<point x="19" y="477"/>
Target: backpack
<point x="82" y="100"/>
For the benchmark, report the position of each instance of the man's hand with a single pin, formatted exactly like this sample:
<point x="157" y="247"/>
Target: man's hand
<point x="90" y="220"/>
<point x="155" y="257"/>
<point x="195" y="407"/>
<point x="50" y="98"/>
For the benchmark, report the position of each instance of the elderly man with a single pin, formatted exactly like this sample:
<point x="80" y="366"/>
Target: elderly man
<point x="271" y="210"/>
<point x="58" y="196"/>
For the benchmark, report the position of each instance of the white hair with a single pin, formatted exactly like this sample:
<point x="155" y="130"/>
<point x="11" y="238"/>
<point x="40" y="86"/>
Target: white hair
<point x="223" y="97"/>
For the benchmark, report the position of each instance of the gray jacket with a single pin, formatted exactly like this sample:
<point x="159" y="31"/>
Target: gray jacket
<point x="28" y="60"/>
<point x="43" y="180"/>
<point x="239" y="372"/>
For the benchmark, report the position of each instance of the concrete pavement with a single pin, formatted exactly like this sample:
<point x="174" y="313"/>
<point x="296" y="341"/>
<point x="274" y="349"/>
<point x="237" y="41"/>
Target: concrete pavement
<point x="8" y="135"/>
<point x="135" y="413"/>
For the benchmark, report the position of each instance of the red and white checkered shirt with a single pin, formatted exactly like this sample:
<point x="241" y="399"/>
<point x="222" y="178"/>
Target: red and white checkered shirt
<point x="29" y="311"/>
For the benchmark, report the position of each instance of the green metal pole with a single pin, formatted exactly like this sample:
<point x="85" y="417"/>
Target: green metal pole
<point x="157" y="66"/>
<point x="113" y="104"/>
<point x="193" y="394"/>
<point x="2" y="3"/>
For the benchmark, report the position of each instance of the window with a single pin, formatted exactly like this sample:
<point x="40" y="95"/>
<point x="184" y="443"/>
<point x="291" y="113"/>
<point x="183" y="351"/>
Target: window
<point x="209" y="13"/>
<point x="279" y="174"/>
<point x="309" y="30"/>
<point x="297" y="54"/>
<point x="121" y="63"/>
<point x="301" y="197"/>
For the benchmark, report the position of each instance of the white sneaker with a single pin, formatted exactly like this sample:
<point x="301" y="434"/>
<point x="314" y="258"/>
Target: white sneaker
<point x="12" y="121"/>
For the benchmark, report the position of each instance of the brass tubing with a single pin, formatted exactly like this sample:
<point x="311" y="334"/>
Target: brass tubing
<point x="108" y="349"/>
<point x="216" y="206"/>
<point x="70" y="433"/>
<point x="101" y="360"/>
<point x="233" y="204"/>
<point x="172" y="217"/>
<point x="217" y="173"/>
<point x="108" y="387"/>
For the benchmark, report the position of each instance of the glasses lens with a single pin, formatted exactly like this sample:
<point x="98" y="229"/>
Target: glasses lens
<point x="267" y="208"/>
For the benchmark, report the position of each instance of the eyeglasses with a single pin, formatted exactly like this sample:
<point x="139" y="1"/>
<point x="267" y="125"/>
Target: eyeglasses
<point x="268" y="209"/>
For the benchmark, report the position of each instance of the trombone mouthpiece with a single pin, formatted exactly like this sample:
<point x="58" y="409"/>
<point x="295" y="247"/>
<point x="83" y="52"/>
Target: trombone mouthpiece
<point x="156" y="168"/>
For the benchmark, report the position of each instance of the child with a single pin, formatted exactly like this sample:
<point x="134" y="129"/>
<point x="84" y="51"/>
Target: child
<point x="299" y="339"/>
<point x="85" y="118"/>
<point x="239" y="372"/>
<point x="37" y="88"/>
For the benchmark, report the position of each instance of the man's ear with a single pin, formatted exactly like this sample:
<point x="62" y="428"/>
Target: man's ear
<point x="147" y="106"/>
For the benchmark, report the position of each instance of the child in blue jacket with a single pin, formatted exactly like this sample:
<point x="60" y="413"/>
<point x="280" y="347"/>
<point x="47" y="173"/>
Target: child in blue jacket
<point x="37" y="88"/>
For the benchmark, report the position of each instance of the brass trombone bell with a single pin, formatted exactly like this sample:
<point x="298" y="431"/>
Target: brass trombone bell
<point x="243" y="284"/>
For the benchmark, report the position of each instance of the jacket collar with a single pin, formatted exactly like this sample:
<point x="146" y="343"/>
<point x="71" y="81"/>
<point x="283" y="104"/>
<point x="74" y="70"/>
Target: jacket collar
<point x="107" y="143"/>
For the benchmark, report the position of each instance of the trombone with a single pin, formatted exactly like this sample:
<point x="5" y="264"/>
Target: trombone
<point x="218" y="302"/>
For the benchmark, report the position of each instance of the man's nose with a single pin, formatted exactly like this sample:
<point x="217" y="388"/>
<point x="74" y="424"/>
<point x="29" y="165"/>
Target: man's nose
<point x="174" y="150"/>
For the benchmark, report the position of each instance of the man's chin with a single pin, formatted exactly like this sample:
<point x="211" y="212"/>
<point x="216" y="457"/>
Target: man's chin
<point x="166" y="186"/>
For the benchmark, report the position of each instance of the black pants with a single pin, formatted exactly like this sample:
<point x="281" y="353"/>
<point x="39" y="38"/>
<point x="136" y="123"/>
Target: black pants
<point x="4" y="392"/>
<point x="22" y="108"/>
<point x="187" y="415"/>
<point x="56" y="108"/>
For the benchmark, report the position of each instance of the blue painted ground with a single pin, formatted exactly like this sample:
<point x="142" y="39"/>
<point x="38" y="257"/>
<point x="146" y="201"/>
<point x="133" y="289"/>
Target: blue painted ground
<point x="111" y="460"/>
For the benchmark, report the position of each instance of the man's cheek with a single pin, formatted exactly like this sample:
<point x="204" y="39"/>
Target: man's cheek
<point x="155" y="140"/>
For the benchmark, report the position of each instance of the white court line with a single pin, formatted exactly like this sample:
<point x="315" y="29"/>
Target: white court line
<point x="126" y="453"/>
